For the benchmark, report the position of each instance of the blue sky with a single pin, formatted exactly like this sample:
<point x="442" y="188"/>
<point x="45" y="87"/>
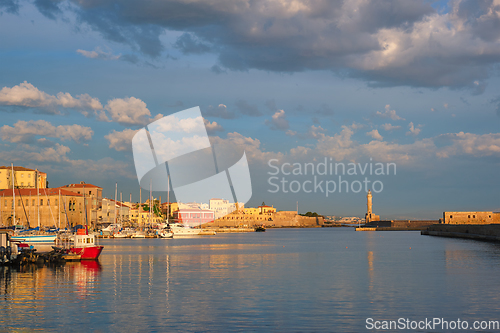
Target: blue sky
<point x="408" y="82"/>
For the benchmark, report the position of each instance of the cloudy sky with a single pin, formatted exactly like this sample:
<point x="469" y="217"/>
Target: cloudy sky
<point x="356" y="81"/>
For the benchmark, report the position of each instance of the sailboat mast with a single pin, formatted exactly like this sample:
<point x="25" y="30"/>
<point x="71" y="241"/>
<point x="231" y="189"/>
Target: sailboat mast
<point x="116" y="192"/>
<point x="121" y="202"/>
<point x="168" y="197"/>
<point x="58" y="209"/>
<point x="85" y="208"/>
<point x="13" y="193"/>
<point x="37" y="198"/>
<point x="150" y="203"/>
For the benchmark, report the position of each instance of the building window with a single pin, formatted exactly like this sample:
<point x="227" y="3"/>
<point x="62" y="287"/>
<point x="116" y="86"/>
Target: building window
<point x="29" y="184"/>
<point x="48" y="202"/>
<point x="22" y="183"/>
<point x="489" y="216"/>
<point x="27" y="202"/>
<point x="469" y="217"/>
<point x="33" y="202"/>
<point x="90" y="192"/>
<point x="56" y="202"/>
<point x="18" y="202"/>
<point x="41" y="202"/>
<point x="29" y="175"/>
<point x="22" y="175"/>
<point x="473" y="216"/>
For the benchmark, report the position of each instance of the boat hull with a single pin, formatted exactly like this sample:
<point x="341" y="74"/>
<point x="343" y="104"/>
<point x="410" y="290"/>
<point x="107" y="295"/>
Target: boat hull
<point x="88" y="252"/>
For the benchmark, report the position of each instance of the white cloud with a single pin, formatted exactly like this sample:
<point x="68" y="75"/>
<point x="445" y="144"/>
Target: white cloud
<point x="25" y="94"/>
<point x="121" y="140"/>
<point x="388" y="127"/>
<point x="212" y="127"/>
<point x="413" y="131"/>
<point x="278" y="121"/>
<point x="469" y="144"/>
<point x="25" y="131"/>
<point x="388" y="113"/>
<point x="375" y="134"/>
<point x="130" y="111"/>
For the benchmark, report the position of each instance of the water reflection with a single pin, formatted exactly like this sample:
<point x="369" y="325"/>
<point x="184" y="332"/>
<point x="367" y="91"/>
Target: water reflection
<point x="285" y="280"/>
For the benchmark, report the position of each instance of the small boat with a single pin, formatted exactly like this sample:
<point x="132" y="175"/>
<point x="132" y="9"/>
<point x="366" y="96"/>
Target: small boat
<point x="85" y="245"/>
<point x="260" y="229"/>
<point x="139" y="234"/>
<point x="180" y="230"/>
<point x="165" y="233"/>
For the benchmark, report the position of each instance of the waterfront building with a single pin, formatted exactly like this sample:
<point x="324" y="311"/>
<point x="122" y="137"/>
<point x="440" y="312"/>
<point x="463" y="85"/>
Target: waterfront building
<point x="471" y="217"/>
<point x="251" y="211"/>
<point x="194" y="217"/>
<point x="93" y="199"/>
<point x="54" y="207"/>
<point x="265" y="209"/>
<point x="114" y="211"/>
<point x="23" y="178"/>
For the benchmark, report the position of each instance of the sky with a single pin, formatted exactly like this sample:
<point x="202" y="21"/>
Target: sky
<point x="360" y="83"/>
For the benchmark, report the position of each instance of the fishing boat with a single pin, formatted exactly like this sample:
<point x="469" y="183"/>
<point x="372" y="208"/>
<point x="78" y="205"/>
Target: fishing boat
<point x="83" y="244"/>
<point x="260" y="228"/>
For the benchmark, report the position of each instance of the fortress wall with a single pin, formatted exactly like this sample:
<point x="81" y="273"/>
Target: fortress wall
<point x="471" y="217"/>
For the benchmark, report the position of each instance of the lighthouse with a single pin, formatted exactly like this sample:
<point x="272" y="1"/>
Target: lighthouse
<point x="369" y="203"/>
<point x="369" y="217"/>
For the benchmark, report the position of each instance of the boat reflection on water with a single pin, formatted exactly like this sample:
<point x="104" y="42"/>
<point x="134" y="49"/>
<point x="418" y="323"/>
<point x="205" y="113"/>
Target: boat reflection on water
<point x="85" y="275"/>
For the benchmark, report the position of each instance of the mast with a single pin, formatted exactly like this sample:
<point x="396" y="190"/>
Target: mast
<point x="168" y="197"/>
<point x="150" y="203"/>
<point x="116" y="191"/>
<point x="37" y="198"/>
<point x="58" y="210"/>
<point x="121" y="202"/>
<point x="85" y="208"/>
<point x="13" y="193"/>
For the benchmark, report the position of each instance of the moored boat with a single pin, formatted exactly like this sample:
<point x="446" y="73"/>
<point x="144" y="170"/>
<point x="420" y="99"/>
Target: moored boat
<point x="85" y="245"/>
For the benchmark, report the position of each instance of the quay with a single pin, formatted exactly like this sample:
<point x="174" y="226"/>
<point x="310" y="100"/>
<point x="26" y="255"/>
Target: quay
<point x="483" y="232"/>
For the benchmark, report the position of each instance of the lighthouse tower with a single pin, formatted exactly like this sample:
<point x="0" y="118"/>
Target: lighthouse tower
<point x="369" y="217"/>
<point x="369" y="203"/>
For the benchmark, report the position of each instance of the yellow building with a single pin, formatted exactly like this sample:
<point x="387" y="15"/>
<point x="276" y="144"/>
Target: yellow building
<point x="53" y="207"/>
<point x="267" y="209"/>
<point x="251" y="211"/>
<point x="23" y="178"/>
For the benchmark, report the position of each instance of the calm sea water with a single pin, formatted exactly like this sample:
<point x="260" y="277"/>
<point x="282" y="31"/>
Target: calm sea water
<point x="292" y="280"/>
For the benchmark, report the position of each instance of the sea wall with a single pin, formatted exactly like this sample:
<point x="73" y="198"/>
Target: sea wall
<point x="486" y="232"/>
<point x="285" y="219"/>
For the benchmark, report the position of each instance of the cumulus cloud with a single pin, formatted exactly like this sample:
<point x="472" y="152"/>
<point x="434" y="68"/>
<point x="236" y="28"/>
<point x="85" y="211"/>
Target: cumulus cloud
<point x="121" y="140"/>
<point x="10" y="6"/>
<point x="312" y="133"/>
<point x="26" y="131"/>
<point x="130" y="111"/>
<point x="278" y="121"/>
<point x="414" y="131"/>
<point x="213" y="127"/>
<point x="388" y="113"/>
<point x="388" y="127"/>
<point x="27" y="95"/>
<point x="375" y="134"/>
<point x="385" y="42"/>
<point x="469" y="144"/>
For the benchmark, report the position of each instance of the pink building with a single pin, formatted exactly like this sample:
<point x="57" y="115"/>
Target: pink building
<point x="193" y="217"/>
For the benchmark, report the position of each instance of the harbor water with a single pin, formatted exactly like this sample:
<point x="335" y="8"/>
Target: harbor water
<point x="290" y="280"/>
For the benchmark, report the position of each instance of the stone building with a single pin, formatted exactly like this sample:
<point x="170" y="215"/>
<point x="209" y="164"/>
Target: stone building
<point x="471" y="217"/>
<point x="54" y="207"/>
<point x="93" y="199"/>
<point x="23" y="178"/>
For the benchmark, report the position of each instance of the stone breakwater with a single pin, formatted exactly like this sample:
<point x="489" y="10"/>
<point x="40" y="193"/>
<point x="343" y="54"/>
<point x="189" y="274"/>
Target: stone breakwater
<point x="489" y="232"/>
<point x="286" y="219"/>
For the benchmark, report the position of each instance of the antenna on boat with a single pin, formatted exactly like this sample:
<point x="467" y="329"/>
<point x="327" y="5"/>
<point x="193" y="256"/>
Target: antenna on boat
<point x="116" y="191"/>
